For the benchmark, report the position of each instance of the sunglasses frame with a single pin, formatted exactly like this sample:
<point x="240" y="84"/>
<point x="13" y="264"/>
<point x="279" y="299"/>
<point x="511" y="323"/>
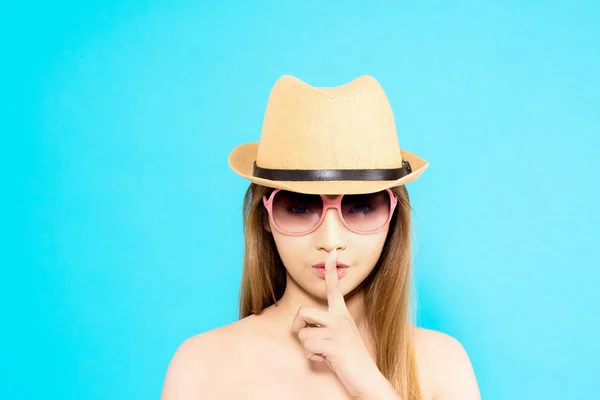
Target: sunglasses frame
<point x="328" y="203"/>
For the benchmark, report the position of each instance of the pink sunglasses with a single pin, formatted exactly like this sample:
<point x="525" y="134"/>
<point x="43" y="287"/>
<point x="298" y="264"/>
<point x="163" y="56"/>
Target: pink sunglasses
<point x="298" y="214"/>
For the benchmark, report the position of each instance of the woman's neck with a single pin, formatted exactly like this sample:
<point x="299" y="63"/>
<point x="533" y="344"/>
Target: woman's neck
<point x="295" y="297"/>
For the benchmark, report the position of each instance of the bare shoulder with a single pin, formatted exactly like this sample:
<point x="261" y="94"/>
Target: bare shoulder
<point x="445" y="364"/>
<point x="195" y="369"/>
<point x="191" y="368"/>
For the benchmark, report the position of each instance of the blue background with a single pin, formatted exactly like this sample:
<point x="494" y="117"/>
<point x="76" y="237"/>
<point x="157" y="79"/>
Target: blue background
<point x="121" y="220"/>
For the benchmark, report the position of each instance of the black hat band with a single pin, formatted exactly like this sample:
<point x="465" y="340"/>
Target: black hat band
<point x="389" y="174"/>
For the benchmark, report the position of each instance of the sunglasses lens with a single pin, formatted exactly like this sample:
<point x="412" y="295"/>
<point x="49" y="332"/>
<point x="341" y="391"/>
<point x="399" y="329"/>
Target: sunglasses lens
<point x="296" y="212"/>
<point x="366" y="212"/>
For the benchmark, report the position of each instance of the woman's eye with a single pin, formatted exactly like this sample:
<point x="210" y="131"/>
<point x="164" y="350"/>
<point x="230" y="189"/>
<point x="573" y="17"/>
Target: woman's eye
<point x="298" y="209"/>
<point x="361" y="208"/>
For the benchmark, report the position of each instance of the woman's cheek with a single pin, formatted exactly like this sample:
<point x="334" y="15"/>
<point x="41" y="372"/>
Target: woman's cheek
<point x="292" y="250"/>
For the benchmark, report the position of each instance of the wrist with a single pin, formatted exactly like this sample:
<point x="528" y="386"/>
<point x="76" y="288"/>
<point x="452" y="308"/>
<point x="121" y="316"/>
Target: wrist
<point x="378" y="388"/>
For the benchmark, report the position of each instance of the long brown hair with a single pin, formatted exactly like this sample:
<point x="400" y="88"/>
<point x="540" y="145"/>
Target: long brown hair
<point x="387" y="290"/>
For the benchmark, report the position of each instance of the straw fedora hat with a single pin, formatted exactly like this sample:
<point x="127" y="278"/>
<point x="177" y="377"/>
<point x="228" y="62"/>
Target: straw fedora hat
<point x="336" y="140"/>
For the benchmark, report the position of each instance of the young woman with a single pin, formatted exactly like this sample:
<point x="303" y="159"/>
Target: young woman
<point x="325" y="302"/>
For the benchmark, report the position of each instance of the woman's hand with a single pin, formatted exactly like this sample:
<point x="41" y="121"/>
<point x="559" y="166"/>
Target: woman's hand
<point x="336" y="340"/>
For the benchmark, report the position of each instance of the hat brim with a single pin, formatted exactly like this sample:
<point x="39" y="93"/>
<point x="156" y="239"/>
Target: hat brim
<point x="241" y="160"/>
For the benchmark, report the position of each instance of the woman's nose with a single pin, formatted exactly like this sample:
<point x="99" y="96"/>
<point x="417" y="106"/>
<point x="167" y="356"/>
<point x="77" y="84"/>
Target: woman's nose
<point x="332" y="233"/>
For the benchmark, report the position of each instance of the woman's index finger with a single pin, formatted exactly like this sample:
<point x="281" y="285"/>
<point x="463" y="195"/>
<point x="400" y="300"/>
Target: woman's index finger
<point x="335" y="298"/>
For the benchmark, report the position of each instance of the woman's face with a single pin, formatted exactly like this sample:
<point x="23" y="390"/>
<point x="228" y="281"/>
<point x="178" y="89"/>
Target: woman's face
<point x="358" y="251"/>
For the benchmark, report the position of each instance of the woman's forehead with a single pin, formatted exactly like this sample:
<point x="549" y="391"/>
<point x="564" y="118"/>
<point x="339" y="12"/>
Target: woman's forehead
<point x="329" y="196"/>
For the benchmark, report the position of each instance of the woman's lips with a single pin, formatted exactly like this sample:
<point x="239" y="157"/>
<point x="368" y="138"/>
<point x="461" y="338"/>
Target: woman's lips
<point x="322" y="265"/>
<point x="320" y="269"/>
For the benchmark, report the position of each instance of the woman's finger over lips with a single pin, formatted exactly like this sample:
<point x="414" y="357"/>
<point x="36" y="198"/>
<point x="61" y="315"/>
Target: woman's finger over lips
<point x="335" y="297"/>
